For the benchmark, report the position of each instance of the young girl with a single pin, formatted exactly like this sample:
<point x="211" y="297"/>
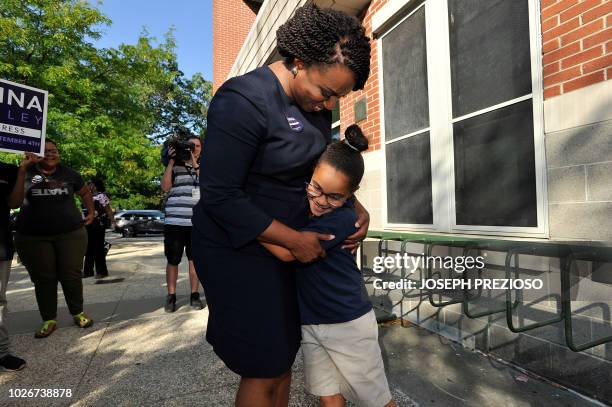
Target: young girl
<point x="342" y="358"/>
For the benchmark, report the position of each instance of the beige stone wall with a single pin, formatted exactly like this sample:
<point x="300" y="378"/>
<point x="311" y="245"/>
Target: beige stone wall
<point x="578" y="128"/>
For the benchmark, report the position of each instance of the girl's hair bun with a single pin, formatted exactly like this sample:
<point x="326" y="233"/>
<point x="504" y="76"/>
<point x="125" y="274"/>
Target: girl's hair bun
<point x="345" y="155"/>
<point x="355" y="138"/>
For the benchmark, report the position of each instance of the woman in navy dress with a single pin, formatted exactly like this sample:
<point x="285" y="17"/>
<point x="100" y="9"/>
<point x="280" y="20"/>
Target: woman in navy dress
<point x="265" y="131"/>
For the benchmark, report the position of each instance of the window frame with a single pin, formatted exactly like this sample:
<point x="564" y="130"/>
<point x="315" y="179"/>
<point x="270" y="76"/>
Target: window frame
<point x="336" y="125"/>
<point x="441" y="121"/>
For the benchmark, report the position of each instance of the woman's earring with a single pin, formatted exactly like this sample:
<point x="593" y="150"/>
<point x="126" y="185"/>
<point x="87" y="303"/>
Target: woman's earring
<point x="294" y="71"/>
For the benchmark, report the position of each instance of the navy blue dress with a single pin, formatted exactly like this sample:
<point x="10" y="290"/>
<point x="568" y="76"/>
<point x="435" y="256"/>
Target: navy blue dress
<point x="259" y="150"/>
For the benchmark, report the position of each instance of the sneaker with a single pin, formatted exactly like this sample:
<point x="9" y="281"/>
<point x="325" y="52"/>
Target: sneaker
<point x="195" y="301"/>
<point x="170" y="303"/>
<point x="101" y="276"/>
<point x="82" y="321"/>
<point x="10" y="362"/>
<point x="46" y="329"/>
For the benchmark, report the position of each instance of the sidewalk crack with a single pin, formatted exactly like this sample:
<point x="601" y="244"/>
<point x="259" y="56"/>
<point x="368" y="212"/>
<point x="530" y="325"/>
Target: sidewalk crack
<point x="95" y="352"/>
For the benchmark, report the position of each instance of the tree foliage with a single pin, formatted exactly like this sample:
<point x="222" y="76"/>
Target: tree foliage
<point x="108" y="108"/>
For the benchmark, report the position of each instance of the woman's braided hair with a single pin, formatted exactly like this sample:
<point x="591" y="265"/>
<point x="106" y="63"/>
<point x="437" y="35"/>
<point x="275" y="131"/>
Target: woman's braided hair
<point x="325" y="37"/>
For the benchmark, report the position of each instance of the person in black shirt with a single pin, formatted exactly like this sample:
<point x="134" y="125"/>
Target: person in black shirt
<point x="11" y="196"/>
<point x="51" y="239"/>
<point x="266" y="130"/>
<point x="96" y="253"/>
<point x="342" y="358"/>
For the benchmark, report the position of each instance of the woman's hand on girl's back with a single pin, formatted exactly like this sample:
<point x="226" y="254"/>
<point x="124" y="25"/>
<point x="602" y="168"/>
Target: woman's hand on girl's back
<point x="307" y="248"/>
<point x="363" y="223"/>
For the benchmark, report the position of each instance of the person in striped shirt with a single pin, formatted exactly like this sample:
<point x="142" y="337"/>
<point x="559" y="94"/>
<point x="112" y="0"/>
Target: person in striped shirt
<point x="181" y="182"/>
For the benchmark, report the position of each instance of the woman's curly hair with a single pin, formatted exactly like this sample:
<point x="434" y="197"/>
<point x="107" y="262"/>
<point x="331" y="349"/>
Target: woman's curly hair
<point x="325" y="36"/>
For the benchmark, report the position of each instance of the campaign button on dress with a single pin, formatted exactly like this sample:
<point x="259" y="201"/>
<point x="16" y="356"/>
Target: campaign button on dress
<point x="295" y="124"/>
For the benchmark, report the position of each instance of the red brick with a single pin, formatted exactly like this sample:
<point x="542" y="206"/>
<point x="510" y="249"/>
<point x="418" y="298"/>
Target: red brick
<point x="581" y="57"/>
<point x="597" y="39"/>
<point x="584" y="31"/>
<point x="597" y="12"/>
<point x="557" y="8"/>
<point x="579" y="9"/>
<point x="583" y="81"/>
<point x="609" y="47"/>
<point x="550" y="23"/>
<point x="561" y="29"/>
<point x="609" y="20"/>
<point x="597" y="64"/>
<point x="561" y="53"/>
<point x="562" y="76"/>
<point x="547" y="3"/>
<point x="550" y="46"/>
<point x="609" y="73"/>
<point x="551" y="69"/>
<point x="551" y="92"/>
<point x="228" y="38"/>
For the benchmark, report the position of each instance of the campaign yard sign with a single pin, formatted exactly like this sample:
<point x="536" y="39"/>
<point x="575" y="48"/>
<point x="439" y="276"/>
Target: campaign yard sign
<point x="23" y="118"/>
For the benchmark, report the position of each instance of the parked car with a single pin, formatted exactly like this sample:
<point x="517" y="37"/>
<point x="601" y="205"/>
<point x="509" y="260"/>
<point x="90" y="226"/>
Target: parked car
<point x="139" y="222"/>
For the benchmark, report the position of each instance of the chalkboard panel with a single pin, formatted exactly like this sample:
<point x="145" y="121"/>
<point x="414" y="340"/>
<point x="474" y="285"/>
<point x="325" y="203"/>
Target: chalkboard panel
<point x="490" y="57"/>
<point x="405" y="77"/>
<point x="409" y="180"/>
<point x="495" y="168"/>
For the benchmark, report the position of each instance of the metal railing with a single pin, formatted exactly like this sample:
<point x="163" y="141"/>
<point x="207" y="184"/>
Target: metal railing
<point x="567" y="253"/>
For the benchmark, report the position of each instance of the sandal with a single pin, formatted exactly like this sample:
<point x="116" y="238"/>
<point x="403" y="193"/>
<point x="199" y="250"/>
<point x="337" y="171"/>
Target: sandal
<point x="47" y="328"/>
<point x="82" y="321"/>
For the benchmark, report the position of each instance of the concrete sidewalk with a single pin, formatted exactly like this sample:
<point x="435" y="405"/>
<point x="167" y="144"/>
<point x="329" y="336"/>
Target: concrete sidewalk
<point x="137" y="355"/>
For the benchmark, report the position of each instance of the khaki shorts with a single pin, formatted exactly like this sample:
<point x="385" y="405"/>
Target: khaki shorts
<point x="345" y="359"/>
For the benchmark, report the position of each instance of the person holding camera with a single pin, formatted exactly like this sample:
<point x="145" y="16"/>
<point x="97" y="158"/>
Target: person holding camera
<point x="181" y="182"/>
<point x="96" y="230"/>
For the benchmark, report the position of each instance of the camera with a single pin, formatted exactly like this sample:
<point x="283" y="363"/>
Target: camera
<point x="179" y="141"/>
<point x="182" y="150"/>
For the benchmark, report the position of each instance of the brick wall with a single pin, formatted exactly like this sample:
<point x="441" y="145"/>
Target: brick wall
<point x="576" y="44"/>
<point x="232" y="20"/>
<point x="371" y="125"/>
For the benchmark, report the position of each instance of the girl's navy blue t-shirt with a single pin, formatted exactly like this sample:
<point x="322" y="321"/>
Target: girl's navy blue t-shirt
<point x="332" y="290"/>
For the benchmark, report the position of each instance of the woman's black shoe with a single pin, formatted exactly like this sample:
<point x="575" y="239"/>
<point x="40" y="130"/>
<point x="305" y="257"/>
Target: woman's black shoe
<point x="195" y="301"/>
<point x="87" y="275"/>
<point x="10" y="362"/>
<point x="170" y="303"/>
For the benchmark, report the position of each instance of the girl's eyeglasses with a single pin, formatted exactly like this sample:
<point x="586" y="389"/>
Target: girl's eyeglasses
<point x="333" y="200"/>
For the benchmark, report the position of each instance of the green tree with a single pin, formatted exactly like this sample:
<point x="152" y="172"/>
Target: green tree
<point x="108" y="108"/>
